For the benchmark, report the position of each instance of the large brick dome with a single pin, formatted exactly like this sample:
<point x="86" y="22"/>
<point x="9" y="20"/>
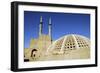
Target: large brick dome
<point x="67" y="43"/>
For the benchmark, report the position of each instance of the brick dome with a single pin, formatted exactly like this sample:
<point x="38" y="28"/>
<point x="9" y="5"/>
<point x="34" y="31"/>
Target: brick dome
<point x="69" y="42"/>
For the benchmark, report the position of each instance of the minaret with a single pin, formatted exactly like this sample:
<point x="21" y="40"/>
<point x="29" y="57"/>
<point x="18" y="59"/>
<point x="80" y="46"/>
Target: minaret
<point x="40" y="26"/>
<point x="50" y="27"/>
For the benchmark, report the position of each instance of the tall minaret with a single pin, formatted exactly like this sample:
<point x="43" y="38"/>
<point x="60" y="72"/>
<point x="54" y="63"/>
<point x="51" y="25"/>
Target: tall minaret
<point x="50" y="28"/>
<point x="40" y="26"/>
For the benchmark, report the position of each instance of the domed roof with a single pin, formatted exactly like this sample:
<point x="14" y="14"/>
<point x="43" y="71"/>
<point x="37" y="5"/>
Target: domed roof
<point x="68" y="42"/>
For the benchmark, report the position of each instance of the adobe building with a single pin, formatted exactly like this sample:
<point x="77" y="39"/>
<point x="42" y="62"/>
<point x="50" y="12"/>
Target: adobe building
<point x="41" y="43"/>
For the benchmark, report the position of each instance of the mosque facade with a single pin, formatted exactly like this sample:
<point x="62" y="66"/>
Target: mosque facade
<point x="40" y="44"/>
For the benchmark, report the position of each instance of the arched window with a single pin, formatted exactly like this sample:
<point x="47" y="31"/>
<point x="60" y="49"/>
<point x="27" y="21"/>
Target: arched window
<point x="33" y="52"/>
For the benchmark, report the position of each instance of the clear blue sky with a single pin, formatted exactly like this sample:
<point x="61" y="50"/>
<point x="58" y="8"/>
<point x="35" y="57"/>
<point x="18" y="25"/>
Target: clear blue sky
<point x="62" y="24"/>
